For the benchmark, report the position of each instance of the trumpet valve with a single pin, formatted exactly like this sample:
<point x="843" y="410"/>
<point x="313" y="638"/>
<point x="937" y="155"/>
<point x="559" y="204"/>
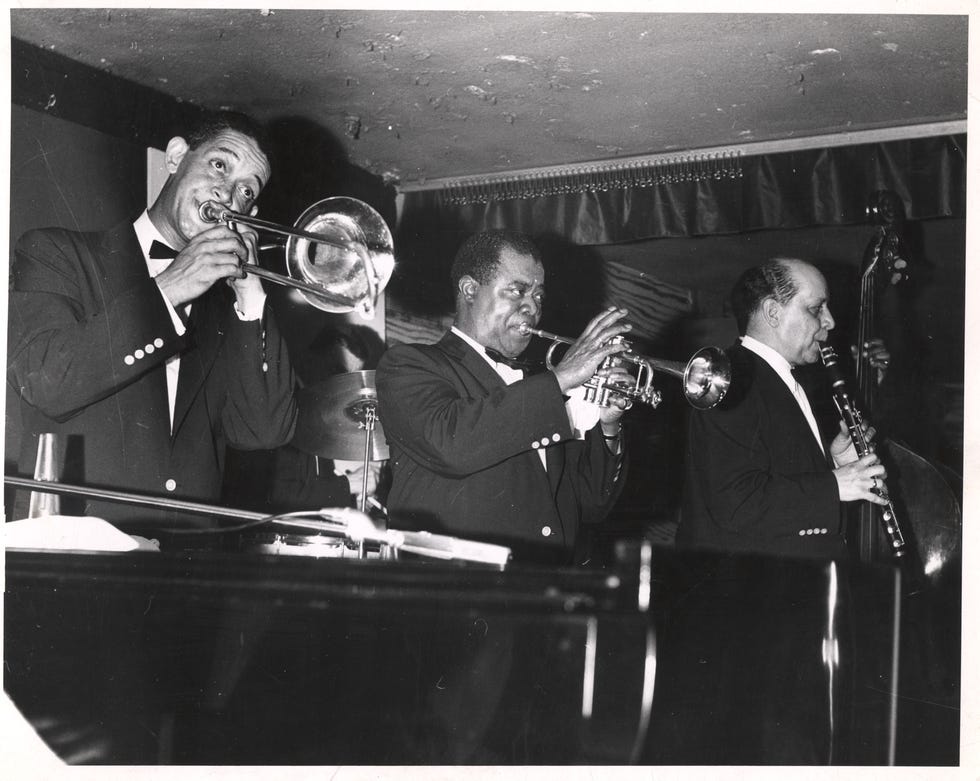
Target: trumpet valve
<point x="651" y="396"/>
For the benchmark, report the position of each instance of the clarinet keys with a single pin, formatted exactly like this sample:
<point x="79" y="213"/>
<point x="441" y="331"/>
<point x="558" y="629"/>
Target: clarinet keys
<point x="852" y="420"/>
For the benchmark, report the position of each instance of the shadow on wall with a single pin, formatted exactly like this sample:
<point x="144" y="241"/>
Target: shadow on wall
<point x="309" y="164"/>
<point x="424" y="249"/>
<point x="575" y="284"/>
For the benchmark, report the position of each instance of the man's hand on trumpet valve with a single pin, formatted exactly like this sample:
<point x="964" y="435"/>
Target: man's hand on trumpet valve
<point x="597" y="342"/>
<point x="616" y="375"/>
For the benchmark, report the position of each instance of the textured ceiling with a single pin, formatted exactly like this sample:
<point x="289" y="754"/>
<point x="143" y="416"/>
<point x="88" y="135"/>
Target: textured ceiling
<point x="415" y="95"/>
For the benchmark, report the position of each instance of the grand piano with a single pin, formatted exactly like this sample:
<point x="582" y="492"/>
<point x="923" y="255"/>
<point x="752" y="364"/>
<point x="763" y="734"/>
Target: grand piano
<point x="242" y="655"/>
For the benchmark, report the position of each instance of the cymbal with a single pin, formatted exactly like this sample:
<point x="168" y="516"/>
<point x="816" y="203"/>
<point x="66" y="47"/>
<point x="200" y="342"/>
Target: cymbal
<point x="334" y="416"/>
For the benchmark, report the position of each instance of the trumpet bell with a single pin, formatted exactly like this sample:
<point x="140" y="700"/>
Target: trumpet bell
<point x="355" y="261"/>
<point x="707" y="377"/>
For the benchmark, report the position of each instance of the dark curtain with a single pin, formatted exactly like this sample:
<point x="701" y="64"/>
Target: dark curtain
<point x="788" y="190"/>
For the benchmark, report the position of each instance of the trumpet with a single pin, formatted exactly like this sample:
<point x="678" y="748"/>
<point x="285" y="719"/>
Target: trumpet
<point x="705" y="377"/>
<point x="339" y="254"/>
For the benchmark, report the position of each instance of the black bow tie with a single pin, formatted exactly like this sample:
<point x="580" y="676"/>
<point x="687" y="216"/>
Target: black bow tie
<point x="159" y="251"/>
<point x="513" y="363"/>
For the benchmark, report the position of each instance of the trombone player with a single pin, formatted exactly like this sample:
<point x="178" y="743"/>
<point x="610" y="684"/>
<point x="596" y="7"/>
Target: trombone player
<point x="479" y="449"/>
<point x="128" y="342"/>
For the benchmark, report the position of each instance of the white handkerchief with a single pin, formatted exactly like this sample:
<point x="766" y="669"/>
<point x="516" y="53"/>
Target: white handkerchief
<point x="70" y="532"/>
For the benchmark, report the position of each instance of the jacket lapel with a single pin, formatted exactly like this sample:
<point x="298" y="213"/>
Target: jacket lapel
<point x="789" y="409"/>
<point x="484" y="374"/>
<point x="475" y="364"/>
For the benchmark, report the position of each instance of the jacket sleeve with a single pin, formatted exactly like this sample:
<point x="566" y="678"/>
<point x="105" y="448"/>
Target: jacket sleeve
<point x="76" y="337"/>
<point x="599" y="475"/>
<point x="452" y="432"/>
<point x="260" y="406"/>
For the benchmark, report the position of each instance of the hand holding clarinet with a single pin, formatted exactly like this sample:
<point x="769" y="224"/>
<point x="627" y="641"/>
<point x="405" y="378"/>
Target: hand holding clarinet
<point x="861" y="475"/>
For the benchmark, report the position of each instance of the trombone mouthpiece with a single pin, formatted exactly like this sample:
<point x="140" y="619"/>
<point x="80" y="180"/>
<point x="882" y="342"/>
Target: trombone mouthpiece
<point x="210" y="212"/>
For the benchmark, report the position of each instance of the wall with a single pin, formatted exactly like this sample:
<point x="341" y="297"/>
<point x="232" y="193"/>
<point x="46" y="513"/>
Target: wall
<point x="66" y="175"/>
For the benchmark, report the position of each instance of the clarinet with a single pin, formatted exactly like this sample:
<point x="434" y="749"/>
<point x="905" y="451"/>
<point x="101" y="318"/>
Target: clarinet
<point x="852" y="420"/>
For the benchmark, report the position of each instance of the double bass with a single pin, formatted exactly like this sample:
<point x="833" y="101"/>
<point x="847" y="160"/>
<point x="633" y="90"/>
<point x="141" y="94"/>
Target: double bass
<point x="928" y="511"/>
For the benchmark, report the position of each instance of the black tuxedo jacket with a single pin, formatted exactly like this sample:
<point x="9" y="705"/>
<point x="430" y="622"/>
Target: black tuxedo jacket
<point x="89" y="335"/>
<point x="756" y="479"/>
<point x="465" y="453"/>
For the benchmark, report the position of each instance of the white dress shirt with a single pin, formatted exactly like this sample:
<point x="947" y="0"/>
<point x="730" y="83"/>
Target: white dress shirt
<point x="782" y="367"/>
<point x="146" y="234"/>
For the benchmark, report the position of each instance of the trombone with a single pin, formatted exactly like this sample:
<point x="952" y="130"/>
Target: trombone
<point x="705" y="377"/>
<point x="339" y="253"/>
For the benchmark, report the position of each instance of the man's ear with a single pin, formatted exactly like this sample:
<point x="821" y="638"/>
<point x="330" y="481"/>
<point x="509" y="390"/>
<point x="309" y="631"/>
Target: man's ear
<point x="468" y="287"/>
<point x="771" y="309"/>
<point x="177" y="147"/>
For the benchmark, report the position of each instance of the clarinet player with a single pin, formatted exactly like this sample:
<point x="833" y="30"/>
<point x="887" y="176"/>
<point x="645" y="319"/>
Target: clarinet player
<point x="759" y="475"/>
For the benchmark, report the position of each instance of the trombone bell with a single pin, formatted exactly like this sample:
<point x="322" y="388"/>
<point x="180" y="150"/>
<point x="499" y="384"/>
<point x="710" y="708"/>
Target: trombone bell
<point x="356" y="262"/>
<point x="339" y="254"/>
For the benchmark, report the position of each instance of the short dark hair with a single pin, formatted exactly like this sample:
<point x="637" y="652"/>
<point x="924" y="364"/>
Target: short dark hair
<point x="211" y="123"/>
<point x="772" y="279"/>
<point x="479" y="255"/>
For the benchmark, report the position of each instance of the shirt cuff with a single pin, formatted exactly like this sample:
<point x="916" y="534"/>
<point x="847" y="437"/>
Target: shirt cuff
<point x="253" y="309"/>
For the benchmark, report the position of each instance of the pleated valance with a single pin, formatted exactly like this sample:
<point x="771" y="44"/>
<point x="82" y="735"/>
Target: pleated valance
<point x="693" y="195"/>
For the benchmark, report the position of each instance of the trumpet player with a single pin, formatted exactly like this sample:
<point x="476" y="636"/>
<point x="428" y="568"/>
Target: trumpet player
<point x="759" y="475"/>
<point x="484" y="450"/>
<point x="122" y="342"/>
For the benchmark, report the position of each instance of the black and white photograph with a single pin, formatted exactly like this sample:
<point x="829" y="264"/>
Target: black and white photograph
<point x="405" y="390"/>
